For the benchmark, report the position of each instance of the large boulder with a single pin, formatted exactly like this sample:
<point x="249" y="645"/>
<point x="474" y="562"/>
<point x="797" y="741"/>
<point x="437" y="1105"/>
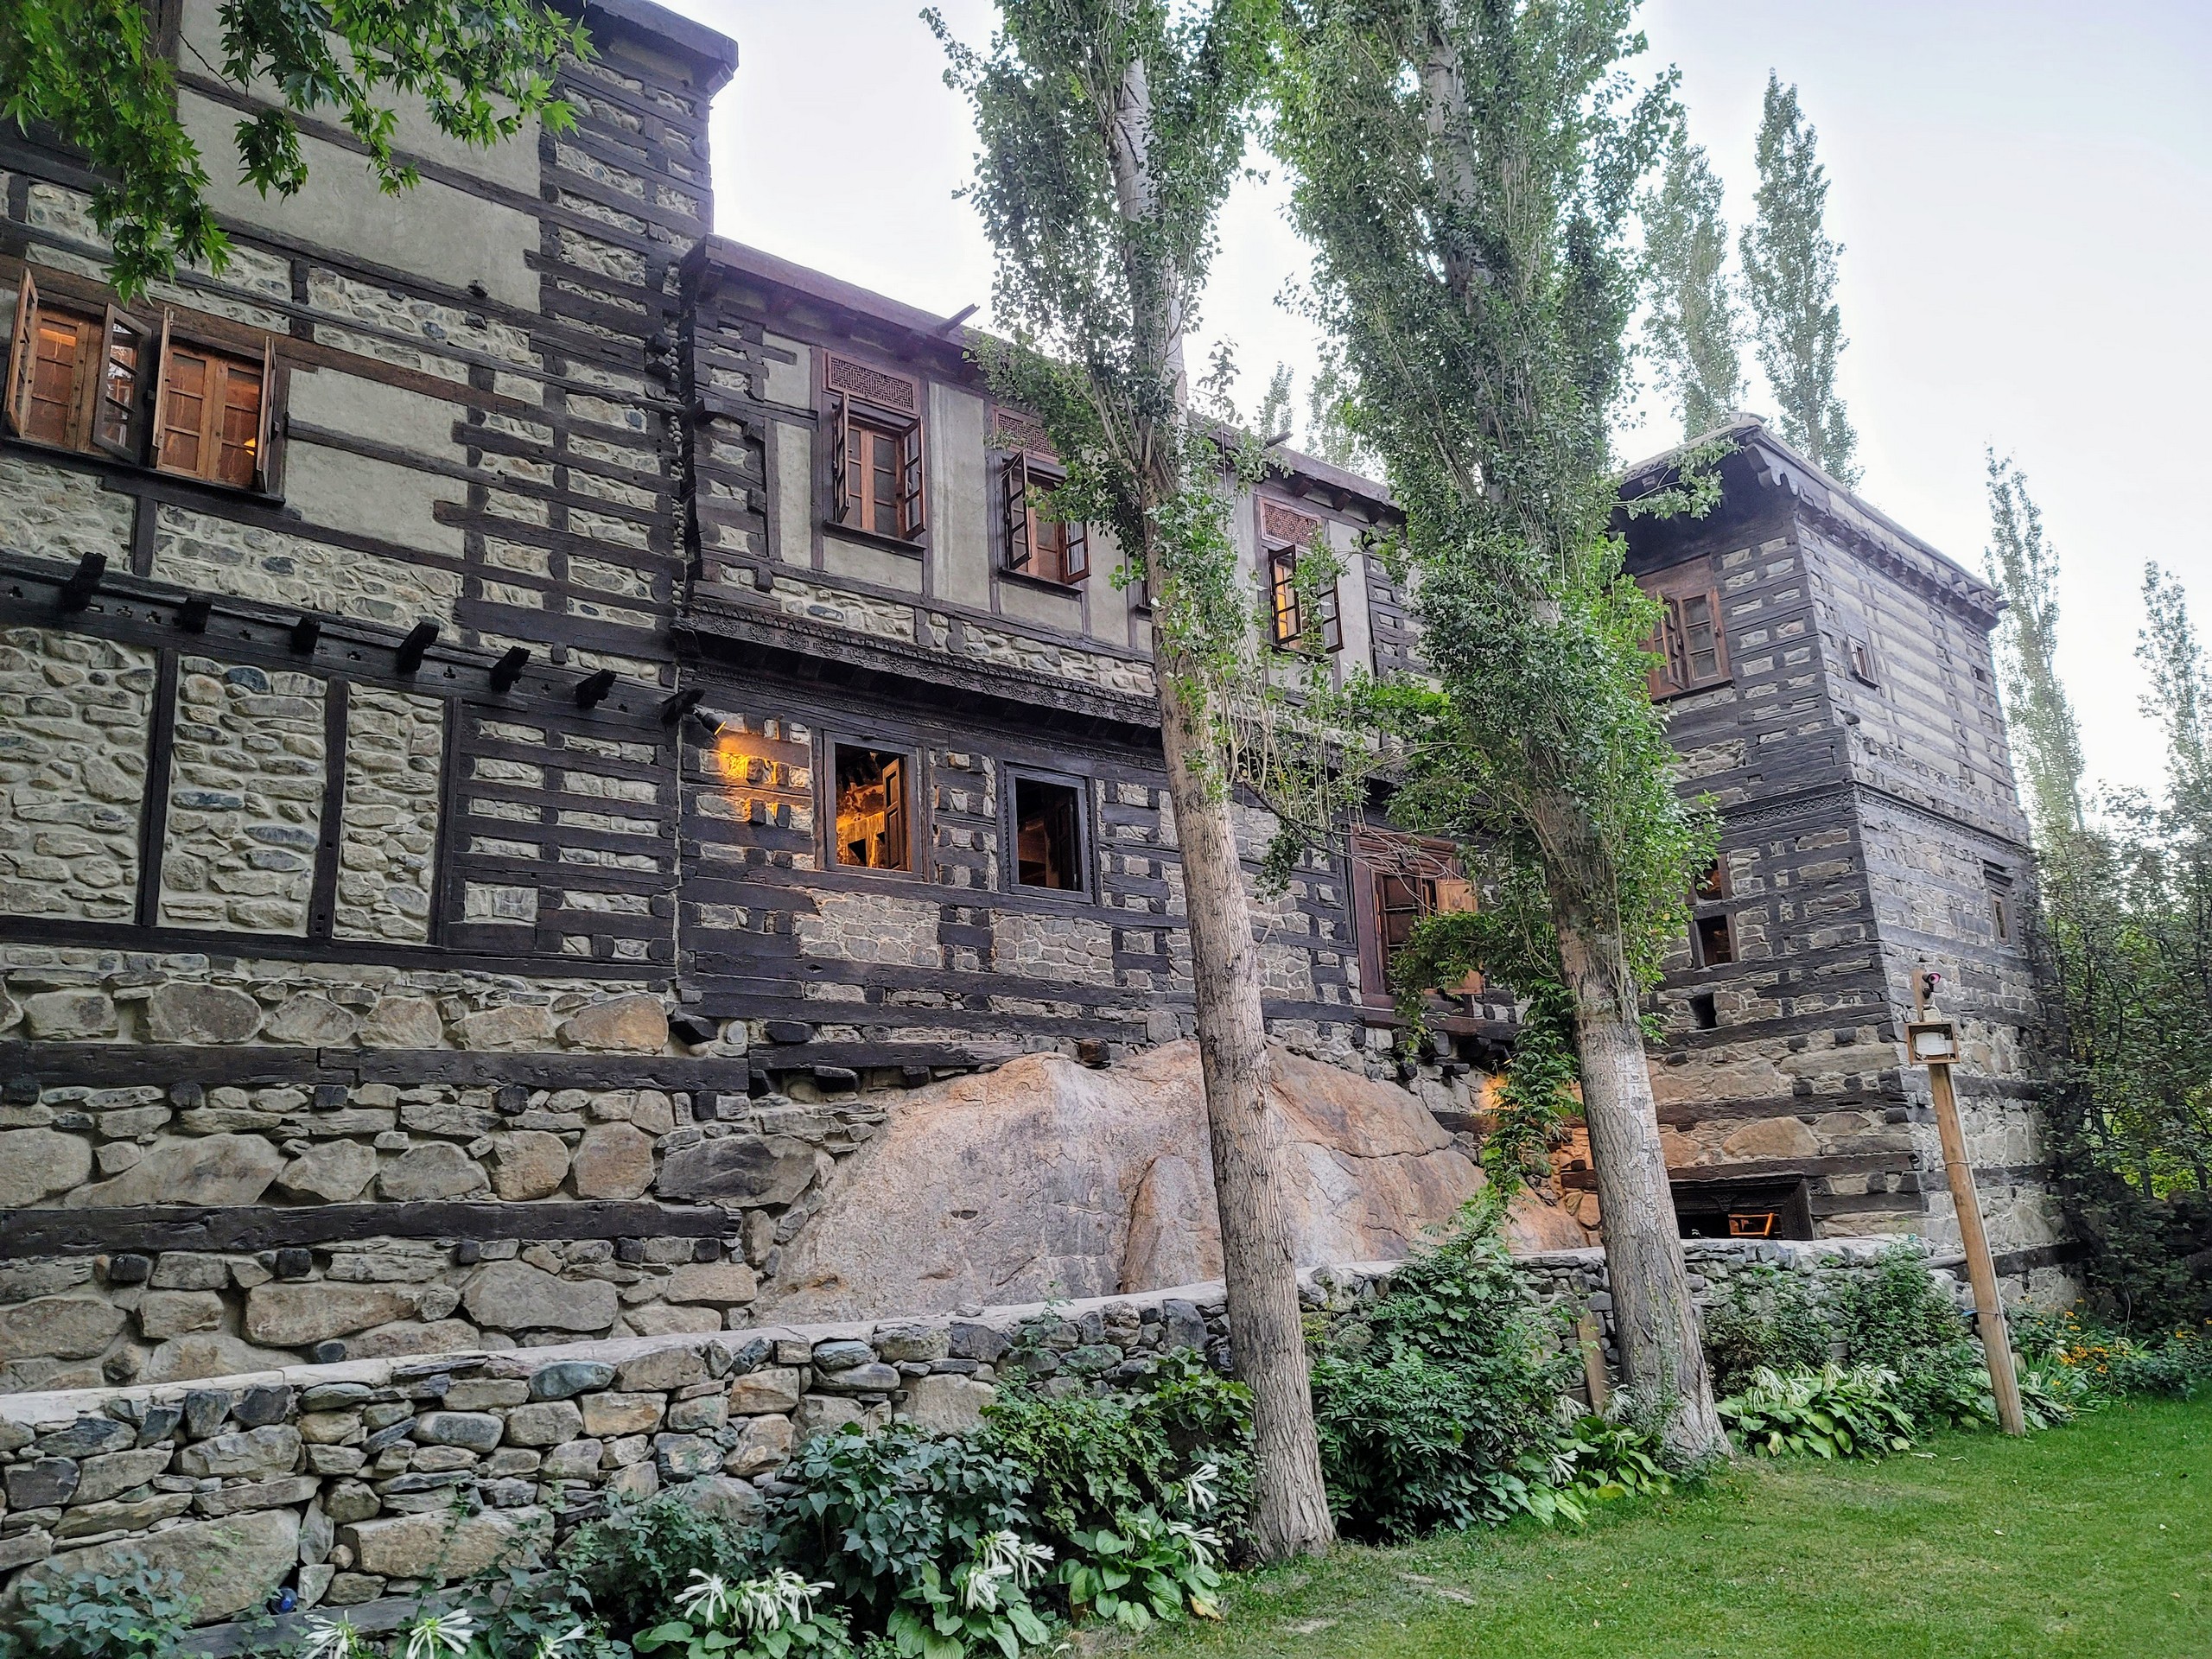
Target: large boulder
<point x="228" y="1566"/>
<point x="1047" y="1179"/>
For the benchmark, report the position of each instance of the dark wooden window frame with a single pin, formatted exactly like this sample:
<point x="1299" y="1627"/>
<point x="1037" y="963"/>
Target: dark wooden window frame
<point x="853" y="392"/>
<point x="159" y="340"/>
<point x="1285" y="532"/>
<point x="1010" y="831"/>
<point x="1859" y="659"/>
<point x="1703" y="952"/>
<point x="1020" y="475"/>
<point x="1377" y="853"/>
<point x="915" y="807"/>
<point x="1674" y="674"/>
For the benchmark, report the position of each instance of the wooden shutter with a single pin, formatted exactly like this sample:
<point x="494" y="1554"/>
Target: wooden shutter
<point x="1075" y="553"/>
<point x="1667" y="643"/>
<point x="161" y="355"/>
<point x="895" y="850"/>
<point x="263" y="469"/>
<point x="911" y="484"/>
<point x="119" y="390"/>
<point x="841" y="460"/>
<point x="1019" y="550"/>
<point x="1332" y="626"/>
<point x="20" y="354"/>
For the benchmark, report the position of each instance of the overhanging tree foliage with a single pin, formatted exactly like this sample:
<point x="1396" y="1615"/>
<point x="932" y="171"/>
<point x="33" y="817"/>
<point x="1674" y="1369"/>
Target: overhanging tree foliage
<point x="1790" y="276"/>
<point x="1692" y="326"/>
<point x="91" y="72"/>
<point x="1466" y="173"/>
<point x="1112" y="131"/>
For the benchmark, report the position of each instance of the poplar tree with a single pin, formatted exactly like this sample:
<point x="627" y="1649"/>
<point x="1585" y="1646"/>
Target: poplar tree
<point x="93" y="74"/>
<point x="1112" y="131"/>
<point x="1692" y="328"/>
<point x="1790" y="276"/>
<point x="1466" y="170"/>
<point x="2047" y="742"/>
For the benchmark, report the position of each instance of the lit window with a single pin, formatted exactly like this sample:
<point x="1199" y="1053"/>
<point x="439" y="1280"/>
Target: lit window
<point x="871" y="814"/>
<point x="1047" y="835"/>
<point x="1286" y="613"/>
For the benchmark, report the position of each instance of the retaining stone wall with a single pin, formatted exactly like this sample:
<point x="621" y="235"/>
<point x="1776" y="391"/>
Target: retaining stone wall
<point x="369" y="1478"/>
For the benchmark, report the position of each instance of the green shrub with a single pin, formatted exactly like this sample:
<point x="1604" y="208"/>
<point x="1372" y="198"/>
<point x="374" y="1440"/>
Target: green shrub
<point x="1089" y="1457"/>
<point x="2176" y="1364"/>
<point x="629" y="1567"/>
<point x="1830" y="1413"/>
<point x="1771" y="1320"/>
<point x="1436" y="1406"/>
<point x="140" y="1613"/>
<point x="1898" y="1319"/>
<point x="925" y="1537"/>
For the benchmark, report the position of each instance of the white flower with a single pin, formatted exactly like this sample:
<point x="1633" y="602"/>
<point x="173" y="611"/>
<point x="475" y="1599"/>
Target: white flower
<point x="549" y="1647"/>
<point x="783" y="1597"/>
<point x="1204" y="1542"/>
<point x="449" y="1630"/>
<point x="1001" y="1557"/>
<point x="1199" y="1487"/>
<point x="329" y="1639"/>
<point x="707" y="1602"/>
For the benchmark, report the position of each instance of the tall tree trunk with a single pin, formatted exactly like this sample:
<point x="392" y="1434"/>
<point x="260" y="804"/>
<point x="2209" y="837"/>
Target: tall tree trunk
<point x="1259" y="1259"/>
<point x="1259" y="1264"/>
<point x="1655" y="1321"/>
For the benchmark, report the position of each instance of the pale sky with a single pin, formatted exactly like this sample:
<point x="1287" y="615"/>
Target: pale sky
<point x="2023" y="190"/>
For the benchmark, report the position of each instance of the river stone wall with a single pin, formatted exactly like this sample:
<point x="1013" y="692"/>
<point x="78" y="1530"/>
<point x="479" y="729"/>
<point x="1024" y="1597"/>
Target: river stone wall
<point x="370" y="1479"/>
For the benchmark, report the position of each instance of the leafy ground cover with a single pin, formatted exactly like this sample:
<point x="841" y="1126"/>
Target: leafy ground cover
<point x="2091" y="1539"/>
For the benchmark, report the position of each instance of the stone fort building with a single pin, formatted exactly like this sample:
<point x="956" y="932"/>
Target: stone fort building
<point x="526" y="728"/>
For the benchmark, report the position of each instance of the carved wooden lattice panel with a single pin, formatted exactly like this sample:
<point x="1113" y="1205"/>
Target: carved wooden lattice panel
<point x="1285" y="526"/>
<point x="877" y="386"/>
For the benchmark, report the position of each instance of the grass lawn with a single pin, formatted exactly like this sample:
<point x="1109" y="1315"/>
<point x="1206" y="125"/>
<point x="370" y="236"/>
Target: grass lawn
<point x="2095" y="1538"/>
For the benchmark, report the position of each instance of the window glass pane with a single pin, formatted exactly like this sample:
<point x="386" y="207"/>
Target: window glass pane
<point x="1282" y="567"/>
<point x="119" y="385"/>
<point x="1700" y="638"/>
<point x="238" y="432"/>
<point x="1047" y="836"/>
<point x="55" y="350"/>
<point x="871" y="808"/>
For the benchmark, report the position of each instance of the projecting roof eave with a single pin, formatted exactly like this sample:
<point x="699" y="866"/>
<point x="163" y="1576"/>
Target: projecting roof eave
<point x="1834" y="500"/>
<point x="718" y="257"/>
<point x="712" y="55"/>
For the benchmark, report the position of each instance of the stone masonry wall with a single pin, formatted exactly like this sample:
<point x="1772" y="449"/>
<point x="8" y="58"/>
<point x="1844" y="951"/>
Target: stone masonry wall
<point x="245" y="798"/>
<point x="74" y="717"/>
<point x="371" y="1479"/>
<point x="389" y="824"/>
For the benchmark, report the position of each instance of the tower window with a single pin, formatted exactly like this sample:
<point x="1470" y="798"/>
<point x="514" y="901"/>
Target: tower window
<point x="872" y="809"/>
<point x="1047" y="835"/>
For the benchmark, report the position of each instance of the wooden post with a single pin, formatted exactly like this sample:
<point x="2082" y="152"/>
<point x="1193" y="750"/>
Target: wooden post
<point x="1590" y="1337"/>
<point x="1933" y="1044"/>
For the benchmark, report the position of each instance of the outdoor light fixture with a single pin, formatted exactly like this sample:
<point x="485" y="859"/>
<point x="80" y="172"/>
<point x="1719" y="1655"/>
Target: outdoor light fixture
<point x="1931" y="1042"/>
<point x="712" y="720"/>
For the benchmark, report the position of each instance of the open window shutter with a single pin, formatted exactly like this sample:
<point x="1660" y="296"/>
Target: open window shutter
<point x="161" y="390"/>
<point x="261" y="457"/>
<point x="910" y="481"/>
<point x="1075" y="555"/>
<point x="20" y="353"/>
<point x="894" y="813"/>
<point x="1667" y="674"/>
<point x="1018" y="550"/>
<point x="1719" y="632"/>
<point x="1332" y="626"/>
<point x="118" y="397"/>
<point x="840" y="438"/>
